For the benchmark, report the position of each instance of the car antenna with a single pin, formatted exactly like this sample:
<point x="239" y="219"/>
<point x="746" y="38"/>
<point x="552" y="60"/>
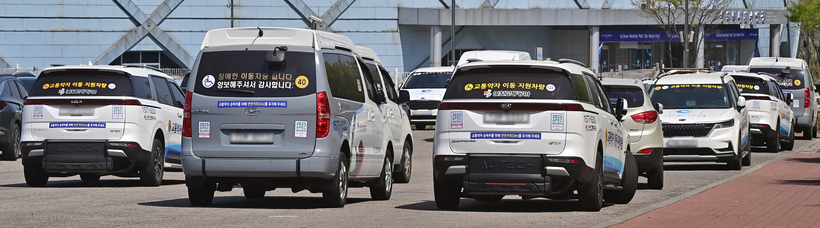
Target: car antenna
<point x="257" y="36"/>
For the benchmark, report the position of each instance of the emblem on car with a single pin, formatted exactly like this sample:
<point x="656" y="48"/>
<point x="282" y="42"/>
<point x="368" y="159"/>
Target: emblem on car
<point x="252" y="111"/>
<point x="506" y="106"/>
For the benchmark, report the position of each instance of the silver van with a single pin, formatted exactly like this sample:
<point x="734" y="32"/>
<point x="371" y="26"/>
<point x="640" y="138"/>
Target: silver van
<point x="794" y="77"/>
<point x="283" y="108"/>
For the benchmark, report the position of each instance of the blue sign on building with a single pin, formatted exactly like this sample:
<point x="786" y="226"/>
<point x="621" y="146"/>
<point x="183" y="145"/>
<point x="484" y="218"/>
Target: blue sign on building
<point x="662" y="36"/>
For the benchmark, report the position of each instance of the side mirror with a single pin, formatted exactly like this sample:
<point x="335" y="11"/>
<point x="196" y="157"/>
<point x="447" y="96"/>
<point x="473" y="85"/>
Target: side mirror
<point x="404" y="96"/>
<point x="659" y="108"/>
<point x="620" y="108"/>
<point x="789" y="98"/>
<point x="741" y="103"/>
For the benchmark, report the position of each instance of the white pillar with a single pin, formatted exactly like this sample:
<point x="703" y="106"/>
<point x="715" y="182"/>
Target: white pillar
<point x="701" y="45"/>
<point x="435" y="46"/>
<point x="777" y="32"/>
<point x="594" y="49"/>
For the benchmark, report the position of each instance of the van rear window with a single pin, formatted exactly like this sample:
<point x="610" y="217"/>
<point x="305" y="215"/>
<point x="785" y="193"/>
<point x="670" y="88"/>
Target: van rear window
<point x="82" y="83"/>
<point x="249" y="74"/>
<point x="793" y="79"/>
<point x="509" y="83"/>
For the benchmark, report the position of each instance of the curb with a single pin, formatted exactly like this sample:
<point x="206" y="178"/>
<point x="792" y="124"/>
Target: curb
<point x="664" y="203"/>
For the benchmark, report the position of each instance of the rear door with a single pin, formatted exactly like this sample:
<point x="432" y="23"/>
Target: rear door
<point x="171" y="115"/>
<point x="613" y="136"/>
<point x="245" y="107"/>
<point x="347" y="89"/>
<point x="80" y="104"/>
<point x="635" y="99"/>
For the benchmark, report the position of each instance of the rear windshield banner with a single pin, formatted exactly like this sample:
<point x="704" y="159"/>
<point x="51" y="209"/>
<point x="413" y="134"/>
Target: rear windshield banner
<point x="79" y="88"/>
<point x="256" y="80"/>
<point x="688" y="86"/>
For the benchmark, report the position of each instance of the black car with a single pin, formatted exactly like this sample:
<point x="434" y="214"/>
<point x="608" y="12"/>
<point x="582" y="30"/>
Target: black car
<point x="12" y="94"/>
<point x="28" y="82"/>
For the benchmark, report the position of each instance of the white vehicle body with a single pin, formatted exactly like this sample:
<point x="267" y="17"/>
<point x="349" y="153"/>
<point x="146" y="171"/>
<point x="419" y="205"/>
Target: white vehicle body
<point x="704" y="119"/>
<point x="93" y="106"/>
<point x="493" y="55"/>
<point x="426" y="87"/>
<point x="771" y="115"/>
<point x="735" y="68"/>
<point x="795" y="77"/>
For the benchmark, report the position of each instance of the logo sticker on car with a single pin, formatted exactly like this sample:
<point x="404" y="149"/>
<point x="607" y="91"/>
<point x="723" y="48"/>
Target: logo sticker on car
<point x="208" y="81"/>
<point x="457" y="120"/>
<point x="116" y="111"/>
<point x="38" y="112"/>
<point x="557" y="122"/>
<point x="204" y="129"/>
<point x="76" y="125"/>
<point x="301" y="129"/>
<point x="504" y="135"/>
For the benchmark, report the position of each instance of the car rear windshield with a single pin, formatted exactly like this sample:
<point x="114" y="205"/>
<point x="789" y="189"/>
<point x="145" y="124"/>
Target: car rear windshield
<point x="793" y="79"/>
<point x="426" y="80"/>
<point x="751" y="85"/>
<point x="633" y="95"/>
<point x="249" y="74"/>
<point x="82" y="83"/>
<point x="688" y="96"/>
<point x="510" y="83"/>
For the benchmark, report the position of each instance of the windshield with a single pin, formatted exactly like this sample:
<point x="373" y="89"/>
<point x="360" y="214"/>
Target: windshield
<point x="690" y="96"/>
<point x="751" y="85"/>
<point x="249" y="74"/>
<point x="633" y="95"/>
<point x="82" y="83"/>
<point x="426" y="80"/>
<point x="794" y="79"/>
<point x="510" y="83"/>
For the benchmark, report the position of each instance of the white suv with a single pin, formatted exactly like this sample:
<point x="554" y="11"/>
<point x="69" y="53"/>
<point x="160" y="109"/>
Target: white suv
<point x="534" y="129"/>
<point x="769" y="109"/>
<point x="705" y="119"/>
<point x="426" y="87"/>
<point x="101" y="120"/>
<point x="641" y="121"/>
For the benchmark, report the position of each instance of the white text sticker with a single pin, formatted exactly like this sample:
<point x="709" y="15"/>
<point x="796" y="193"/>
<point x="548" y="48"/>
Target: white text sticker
<point x="204" y="129"/>
<point x="301" y="129"/>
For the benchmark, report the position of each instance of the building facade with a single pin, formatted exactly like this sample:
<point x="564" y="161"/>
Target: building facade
<point x="406" y="34"/>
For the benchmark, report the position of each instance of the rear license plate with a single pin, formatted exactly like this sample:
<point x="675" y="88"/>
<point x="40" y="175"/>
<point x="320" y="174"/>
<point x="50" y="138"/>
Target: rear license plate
<point x="252" y="137"/>
<point x="689" y="143"/>
<point x="76" y="110"/>
<point x="75" y="148"/>
<point x="506" y="117"/>
<point x="529" y="165"/>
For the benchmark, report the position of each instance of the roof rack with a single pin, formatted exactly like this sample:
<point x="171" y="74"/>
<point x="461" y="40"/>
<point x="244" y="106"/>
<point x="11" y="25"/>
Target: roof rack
<point x="576" y="62"/>
<point x="142" y="66"/>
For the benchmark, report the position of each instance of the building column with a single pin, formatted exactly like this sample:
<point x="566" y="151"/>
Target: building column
<point x="699" y="61"/>
<point x="435" y="46"/>
<point x="594" y="49"/>
<point x="776" y="32"/>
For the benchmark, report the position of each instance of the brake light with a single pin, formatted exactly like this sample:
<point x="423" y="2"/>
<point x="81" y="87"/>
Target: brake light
<point x="186" y="115"/>
<point x="645" y="151"/>
<point x="322" y="115"/>
<point x="513" y="106"/>
<point x="748" y="97"/>
<point x="645" y="117"/>
<point x="81" y="101"/>
<point x="806" y="101"/>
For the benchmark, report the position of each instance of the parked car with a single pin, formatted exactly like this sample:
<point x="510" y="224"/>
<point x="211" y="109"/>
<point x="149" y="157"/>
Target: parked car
<point x="705" y="118"/>
<point x="642" y="123"/>
<point x="533" y="129"/>
<point x="494" y="55"/>
<point x="398" y="121"/>
<point x="294" y="109"/>
<point x="426" y="87"/>
<point x="28" y="82"/>
<point x="12" y="95"/>
<point x="23" y="74"/>
<point x="101" y="120"/>
<point x="794" y="77"/>
<point x="770" y="110"/>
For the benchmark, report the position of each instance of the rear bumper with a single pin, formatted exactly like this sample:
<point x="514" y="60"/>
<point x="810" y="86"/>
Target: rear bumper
<point x="760" y="133"/>
<point x="113" y="158"/>
<point x="423" y="116"/>
<point x="650" y="161"/>
<point x="311" y="167"/>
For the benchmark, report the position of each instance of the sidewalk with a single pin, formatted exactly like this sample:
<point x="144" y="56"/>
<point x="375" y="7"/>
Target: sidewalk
<point x="784" y="193"/>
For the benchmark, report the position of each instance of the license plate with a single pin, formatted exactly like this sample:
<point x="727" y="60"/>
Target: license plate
<point x="76" y="111"/>
<point x="506" y="117"/>
<point x="682" y="143"/>
<point x="75" y="148"/>
<point x="252" y="137"/>
<point x="506" y="164"/>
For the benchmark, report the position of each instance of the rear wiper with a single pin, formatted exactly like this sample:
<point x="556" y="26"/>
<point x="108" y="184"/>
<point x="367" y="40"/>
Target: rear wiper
<point x="239" y="91"/>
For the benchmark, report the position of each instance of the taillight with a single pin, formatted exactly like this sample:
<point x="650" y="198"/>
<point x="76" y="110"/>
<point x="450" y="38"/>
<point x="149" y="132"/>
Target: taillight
<point x="322" y="115"/>
<point x="645" y="117"/>
<point x="806" y="101"/>
<point x="645" y="151"/>
<point x="186" y="115"/>
<point x="3" y="104"/>
<point x="512" y="106"/>
<point x="749" y="97"/>
<point x="80" y="101"/>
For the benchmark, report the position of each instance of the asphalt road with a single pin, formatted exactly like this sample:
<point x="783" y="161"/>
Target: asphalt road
<point x="114" y="201"/>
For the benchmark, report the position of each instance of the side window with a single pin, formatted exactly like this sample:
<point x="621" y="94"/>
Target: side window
<point x="9" y="90"/>
<point x="389" y="86"/>
<point x="163" y="94"/>
<point x="733" y="93"/>
<point x="22" y="89"/>
<point x="372" y="91"/>
<point x="581" y="90"/>
<point x="605" y="100"/>
<point x="594" y="93"/>
<point x="142" y="88"/>
<point x="343" y="77"/>
<point x="179" y="99"/>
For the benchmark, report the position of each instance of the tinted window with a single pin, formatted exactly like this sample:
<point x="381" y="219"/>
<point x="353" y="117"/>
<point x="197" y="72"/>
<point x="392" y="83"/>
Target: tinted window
<point x="184" y="82"/>
<point x="390" y="87"/>
<point x="249" y="74"/>
<point x="28" y="83"/>
<point x="82" y="83"/>
<point x="581" y="90"/>
<point x="794" y="79"/>
<point x="774" y="90"/>
<point x="598" y="95"/>
<point x="423" y="80"/>
<point x="22" y="89"/>
<point x="751" y="85"/>
<point x="633" y="95"/>
<point x="142" y="88"/>
<point x="343" y="77"/>
<point x="374" y="85"/>
<point x="179" y="99"/>
<point x="510" y="83"/>
<point x="684" y="96"/>
<point x="9" y="89"/>
<point x="163" y="93"/>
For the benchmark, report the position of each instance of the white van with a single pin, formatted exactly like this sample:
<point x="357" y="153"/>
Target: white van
<point x="795" y="77"/>
<point x="485" y="55"/>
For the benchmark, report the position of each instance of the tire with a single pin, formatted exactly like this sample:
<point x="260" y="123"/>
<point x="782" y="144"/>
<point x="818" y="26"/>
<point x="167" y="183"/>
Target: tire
<point x="814" y="131"/>
<point x="34" y="173"/>
<point x="655" y="178"/>
<point x="201" y="195"/>
<point x="489" y="198"/>
<point x="89" y="177"/>
<point x="253" y="192"/>
<point x="382" y="188"/>
<point x="807" y="134"/>
<point x="153" y="169"/>
<point x="591" y="199"/>
<point x="336" y="194"/>
<point x="12" y="151"/>
<point x="420" y="126"/>
<point x="403" y="176"/>
<point x="447" y="194"/>
<point x="747" y="160"/>
<point x="629" y="182"/>
<point x="773" y="143"/>
<point x="789" y="143"/>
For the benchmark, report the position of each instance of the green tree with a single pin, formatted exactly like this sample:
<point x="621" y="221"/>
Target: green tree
<point x="806" y="14"/>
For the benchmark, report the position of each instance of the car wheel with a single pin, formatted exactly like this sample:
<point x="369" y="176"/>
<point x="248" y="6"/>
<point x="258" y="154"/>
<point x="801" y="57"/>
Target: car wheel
<point x="421" y="126"/>
<point x="12" y="151"/>
<point x="489" y="198"/>
<point x="629" y="182"/>
<point x="747" y="160"/>
<point x="253" y="192"/>
<point x="201" y="195"/>
<point x="89" y="177"/>
<point x="655" y="178"/>
<point x="814" y="131"/>
<point x="447" y="194"/>
<point x="336" y="194"/>
<point x="591" y="198"/>
<point x="773" y="143"/>
<point x="789" y="143"/>
<point x="34" y="173"/>
<point x="382" y="188"/>
<point x="807" y="134"/>
<point x="152" y="170"/>
<point x="406" y="163"/>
